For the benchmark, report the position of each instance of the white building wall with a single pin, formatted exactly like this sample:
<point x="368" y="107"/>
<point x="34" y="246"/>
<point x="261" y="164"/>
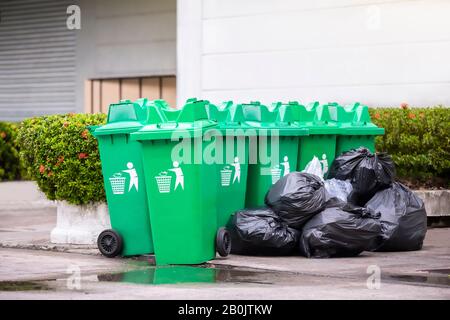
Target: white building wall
<point x="379" y="52"/>
<point x="125" y="39"/>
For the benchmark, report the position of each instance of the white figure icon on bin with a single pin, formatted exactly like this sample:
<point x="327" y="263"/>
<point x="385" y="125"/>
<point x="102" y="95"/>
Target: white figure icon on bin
<point x="134" y="182"/>
<point x="287" y="167"/>
<point x="179" y="177"/>
<point x="237" y="170"/>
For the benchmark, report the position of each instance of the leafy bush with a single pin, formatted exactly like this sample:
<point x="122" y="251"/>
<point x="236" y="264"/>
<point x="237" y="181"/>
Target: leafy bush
<point x="10" y="165"/>
<point x="418" y="140"/>
<point x="62" y="156"/>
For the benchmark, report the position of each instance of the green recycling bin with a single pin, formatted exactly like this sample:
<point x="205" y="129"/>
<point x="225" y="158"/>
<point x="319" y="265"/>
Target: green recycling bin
<point x="124" y="181"/>
<point x="321" y="141"/>
<point x="273" y="150"/>
<point x="232" y="166"/>
<point x="355" y="128"/>
<point x="181" y="189"/>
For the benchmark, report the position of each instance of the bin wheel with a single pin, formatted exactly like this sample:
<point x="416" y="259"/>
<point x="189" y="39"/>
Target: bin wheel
<point x="110" y="243"/>
<point x="223" y="242"/>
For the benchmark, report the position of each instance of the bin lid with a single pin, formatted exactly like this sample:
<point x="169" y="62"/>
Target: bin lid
<point x="230" y="118"/>
<point x="355" y="119"/>
<point x="162" y="103"/>
<point x="280" y="118"/>
<point x="314" y="117"/>
<point x="192" y="119"/>
<point x="127" y="117"/>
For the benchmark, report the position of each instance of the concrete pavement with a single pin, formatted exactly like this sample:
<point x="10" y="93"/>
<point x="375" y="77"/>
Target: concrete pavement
<point x="32" y="268"/>
<point x="419" y="275"/>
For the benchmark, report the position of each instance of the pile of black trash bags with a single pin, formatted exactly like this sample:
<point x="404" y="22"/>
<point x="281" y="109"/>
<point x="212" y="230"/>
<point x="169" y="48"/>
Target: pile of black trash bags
<point x="360" y="207"/>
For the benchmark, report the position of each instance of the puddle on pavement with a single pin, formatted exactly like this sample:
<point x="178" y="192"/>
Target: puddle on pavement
<point x="440" y="277"/>
<point x="192" y="274"/>
<point x="442" y="271"/>
<point x="148" y="273"/>
<point x="23" y="286"/>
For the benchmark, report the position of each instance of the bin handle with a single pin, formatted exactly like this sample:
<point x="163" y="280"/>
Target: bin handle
<point x="167" y="125"/>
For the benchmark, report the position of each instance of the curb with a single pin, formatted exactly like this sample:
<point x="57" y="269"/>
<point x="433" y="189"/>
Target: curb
<point x="88" y="250"/>
<point x="437" y="202"/>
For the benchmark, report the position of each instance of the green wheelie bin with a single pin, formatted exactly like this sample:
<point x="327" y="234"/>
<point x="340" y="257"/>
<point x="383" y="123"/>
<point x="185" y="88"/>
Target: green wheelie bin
<point x="273" y="150"/>
<point x="181" y="189"/>
<point x="124" y="182"/>
<point x="321" y="141"/>
<point x="232" y="159"/>
<point x="355" y="128"/>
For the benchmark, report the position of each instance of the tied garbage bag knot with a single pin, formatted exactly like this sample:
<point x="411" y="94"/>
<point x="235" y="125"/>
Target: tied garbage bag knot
<point x="368" y="173"/>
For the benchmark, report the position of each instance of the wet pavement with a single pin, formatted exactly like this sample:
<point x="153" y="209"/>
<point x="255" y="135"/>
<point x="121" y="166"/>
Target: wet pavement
<point x="33" y="268"/>
<point x="37" y="274"/>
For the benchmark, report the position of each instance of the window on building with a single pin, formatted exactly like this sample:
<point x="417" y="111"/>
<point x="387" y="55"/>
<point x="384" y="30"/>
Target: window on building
<point x="100" y="93"/>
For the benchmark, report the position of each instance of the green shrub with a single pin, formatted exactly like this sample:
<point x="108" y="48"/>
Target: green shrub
<point x="10" y="165"/>
<point x="62" y="156"/>
<point x="418" y="140"/>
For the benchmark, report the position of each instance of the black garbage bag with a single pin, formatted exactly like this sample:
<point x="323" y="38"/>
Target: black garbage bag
<point x="359" y="199"/>
<point x="341" y="230"/>
<point x="368" y="173"/>
<point x="261" y="232"/>
<point x="297" y="197"/>
<point x="403" y="218"/>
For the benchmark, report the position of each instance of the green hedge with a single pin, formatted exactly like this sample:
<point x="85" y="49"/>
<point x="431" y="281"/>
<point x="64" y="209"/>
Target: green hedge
<point x="418" y="140"/>
<point x="10" y="165"/>
<point x="62" y="156"/>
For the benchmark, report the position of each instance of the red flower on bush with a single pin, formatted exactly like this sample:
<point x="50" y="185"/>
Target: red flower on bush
<point x="41" y="168"/>
<point x="61" y="159"/>
<point x="404" y="106"/>
<point x="82" y="155"/>
<point x="84" y="134"/>
<point x="377" y="116"/>
<point x="411" y="116"/>
<point x="3" y="134"/>
<point x="50" y="173"/>
<point x="66" y="124"/>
